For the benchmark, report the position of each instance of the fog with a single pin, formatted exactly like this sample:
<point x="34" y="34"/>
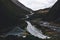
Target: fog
<point x="38" y="4"/>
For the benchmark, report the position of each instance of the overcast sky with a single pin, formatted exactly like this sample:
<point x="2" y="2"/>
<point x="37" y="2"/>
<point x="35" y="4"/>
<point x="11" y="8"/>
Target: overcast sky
<point x="38" y="4"/>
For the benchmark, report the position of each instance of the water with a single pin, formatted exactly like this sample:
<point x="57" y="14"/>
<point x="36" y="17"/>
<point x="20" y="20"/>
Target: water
<point x="35" y="32"/>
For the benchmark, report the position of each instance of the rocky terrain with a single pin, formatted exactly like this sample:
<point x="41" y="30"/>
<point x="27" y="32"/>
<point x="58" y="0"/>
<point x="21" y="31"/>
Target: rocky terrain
<point x="12" y="16"/>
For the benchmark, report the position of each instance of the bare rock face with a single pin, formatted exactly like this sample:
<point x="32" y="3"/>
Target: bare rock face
<point x="11" y="15"/>
<point x="54" y="13"/>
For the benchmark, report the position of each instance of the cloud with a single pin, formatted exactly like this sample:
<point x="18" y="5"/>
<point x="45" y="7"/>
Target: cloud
<point x="38" y="4"/>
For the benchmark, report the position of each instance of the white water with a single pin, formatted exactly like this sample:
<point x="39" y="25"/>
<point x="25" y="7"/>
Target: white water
<point x="38" y="4"/>
<point x="35" y="32"/>
<point x="27" y="16"/>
